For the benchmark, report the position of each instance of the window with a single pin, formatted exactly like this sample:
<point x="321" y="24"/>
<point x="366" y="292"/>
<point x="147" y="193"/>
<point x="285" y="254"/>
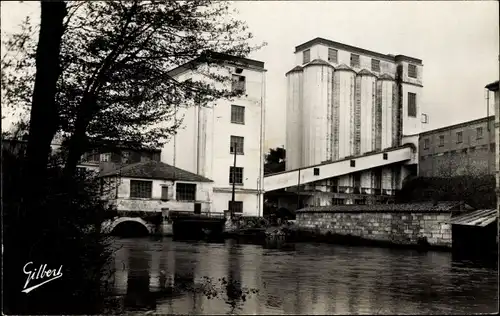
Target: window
<point x="125" y="156"/>
<point x="164" y="193"/>
<point x="93" y="157"/>
<point x="412" y="104"/>
<point x="236" y="173"/>
<point x="425" y="119"/>
<point x="459" y="137"/>
<point x="353" y="163"/>
<point x="426" y="143"/>
<point x="384" y="156"/>
<point x="141" y="189"/>
<point x="479" y="132"/>
<point x="492" y="147"/>
<point x="336" y="201"/>
<point x="316" y="171"/>
<point x="105" y="157"/>
<point x="355" y="60"/>
<point x="236" y="206"/>
<point x="441" y="140"/>
<point x="237" y="114"/>
<point x="412" y="71"/>
<point x="306" y="56"/>
<point x="332" y="55"/>
<point x="375" y="65"/>
<point x="236" y="141"/>
<point x="238" y="84"/>
<point x="185" y="192"/>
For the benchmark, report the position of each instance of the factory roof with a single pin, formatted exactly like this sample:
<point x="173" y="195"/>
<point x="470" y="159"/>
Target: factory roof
<point x="463" y="124"/>
<point x="354" y="49"/>
<point x="154" y="170"/>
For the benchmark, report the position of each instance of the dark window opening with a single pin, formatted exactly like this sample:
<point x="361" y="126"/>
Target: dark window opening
<point x="355" y="60"/>
<point x="197" y="208"/>
<point x="185" y="191"/>
<point x="306" y="56"/>
<point x="236" y="173"/>
<point x="316" y="171"/>
<point x="375" y="65"/>
<point x="441" y="140"/>
<point x="236" y="143"/>
<point x="479" y="132"/>
<point x="236" y="206"/>
<point x="412" y="71"/>
<point x="384" y="156"/>
<point x="412" y="104"/>
<point x="238" y="84"/>
<point x="459" y="137"/>
<point x="353" y="163"/>
<point x="237" y="114"/>
<point x="332" y="55"/>
<point x="141" y="189"/>
<point x="164" y="193"/>
<point x="426" y="143"/>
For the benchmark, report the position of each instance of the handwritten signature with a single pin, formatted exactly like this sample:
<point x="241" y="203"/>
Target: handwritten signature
<point x="42" y="274"/>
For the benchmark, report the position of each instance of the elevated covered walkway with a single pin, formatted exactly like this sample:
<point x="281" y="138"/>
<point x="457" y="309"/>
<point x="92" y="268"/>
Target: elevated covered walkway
<point x="337" y="168"/>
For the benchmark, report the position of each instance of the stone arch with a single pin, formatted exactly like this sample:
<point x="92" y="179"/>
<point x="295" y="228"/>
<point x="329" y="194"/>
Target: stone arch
<point x="111" y="226"/>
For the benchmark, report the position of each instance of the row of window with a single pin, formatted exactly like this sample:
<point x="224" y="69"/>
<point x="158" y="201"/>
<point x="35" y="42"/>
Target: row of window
<point x="184" y="192"/>
<point x="459" y="137"/>
<point x="144" y="189"/>
<point x="470" y="149"/>
<point x="375" y="66"/>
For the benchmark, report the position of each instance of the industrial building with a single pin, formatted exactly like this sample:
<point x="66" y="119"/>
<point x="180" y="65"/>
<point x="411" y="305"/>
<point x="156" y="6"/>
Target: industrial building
<point x="462" y="149"/>
<point x="494" y="87"/>
<point x="215" y="137"/>
<point x="352" y="124"/>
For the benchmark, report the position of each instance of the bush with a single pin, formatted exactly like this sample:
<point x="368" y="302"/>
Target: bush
<point x="63" y="230"/>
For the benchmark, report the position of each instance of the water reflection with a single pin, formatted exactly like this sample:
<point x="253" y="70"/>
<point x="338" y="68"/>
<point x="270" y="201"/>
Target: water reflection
<point x="166" y="277"/>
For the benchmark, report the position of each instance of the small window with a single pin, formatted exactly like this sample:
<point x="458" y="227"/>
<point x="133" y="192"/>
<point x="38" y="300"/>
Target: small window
<point x="355" y="60"/>
<point x="412" y="71"/>
<point x="492" y="147"/>
<point x="235" y="207"/>
<point x="384" y="155"/>
<point x="238" y="84"/>
<point x="236" y="143"/>
<point x="412" y="104"/>
<point x="332" y="55"/>
<point x="426" y="143"/>
<point x="441" y="140"/>
<point x="306" y="56"/>
<point x="237" y="114"/>
<point x="425" y="119"/>
<point x="106" y="157"/>
<point x="353" y="163"/>
<point x="316" y="171"/>
<point x="164" y="193"/>
<point x="141" y="189"/>
<point x="236" y="173"/>
<point x="479" y="132"/>
<point x="376" y="65"/>
<point x="185" y="192"/>
<point x="459" y="137"/>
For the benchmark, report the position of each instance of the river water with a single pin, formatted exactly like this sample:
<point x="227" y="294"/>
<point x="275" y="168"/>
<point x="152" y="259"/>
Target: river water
<point x="298" y="279"/>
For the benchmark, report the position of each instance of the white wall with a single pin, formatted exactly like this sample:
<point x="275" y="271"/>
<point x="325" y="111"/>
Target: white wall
<point x="202" y="145"/>
<point x="123" y="201"/>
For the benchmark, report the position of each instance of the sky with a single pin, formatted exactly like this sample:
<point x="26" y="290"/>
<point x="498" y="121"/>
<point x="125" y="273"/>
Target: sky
<point x="458" y="42"/>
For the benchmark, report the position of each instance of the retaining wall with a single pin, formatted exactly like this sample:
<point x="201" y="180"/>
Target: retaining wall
<point x="399" y="228"/>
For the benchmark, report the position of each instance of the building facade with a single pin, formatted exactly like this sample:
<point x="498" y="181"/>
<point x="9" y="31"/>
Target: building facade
<point x="462" y="149"/>
<point x="343" y="102"/>
<point x="210" y="134"/>
<point x="152" y="186"/>
<point x="494" y="87"/>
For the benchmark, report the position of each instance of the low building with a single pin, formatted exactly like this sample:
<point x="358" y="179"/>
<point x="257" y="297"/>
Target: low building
<point x="152" y="185"/>
<point x="462" y="149"/>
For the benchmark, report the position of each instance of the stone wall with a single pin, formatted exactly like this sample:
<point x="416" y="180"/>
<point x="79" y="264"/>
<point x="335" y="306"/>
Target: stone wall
<point x="402" y="228"/>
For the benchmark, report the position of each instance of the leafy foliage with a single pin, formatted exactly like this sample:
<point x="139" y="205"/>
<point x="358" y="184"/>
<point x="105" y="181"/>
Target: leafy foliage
<point x="275" y="160"/>
<point x="116" y="83"/>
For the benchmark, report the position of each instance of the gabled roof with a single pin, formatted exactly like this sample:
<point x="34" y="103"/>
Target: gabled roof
<point x="405" y="207"/>
<point x="154" y="170"/>
<point x="295" y="69"/>
<point x="493" y="86"/>
<point x="318" y="62"/>
<point x="385" y="77"/>
<point x="344" y="67"/>
<point x="366" y="72"/>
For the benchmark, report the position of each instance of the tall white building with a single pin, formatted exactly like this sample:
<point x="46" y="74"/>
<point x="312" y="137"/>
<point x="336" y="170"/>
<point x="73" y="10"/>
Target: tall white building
<point x="345" y="103"/>
<point x="204" y="143"/>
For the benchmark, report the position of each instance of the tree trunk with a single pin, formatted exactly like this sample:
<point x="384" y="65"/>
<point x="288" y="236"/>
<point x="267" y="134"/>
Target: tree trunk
<point x="44" y="112"/>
